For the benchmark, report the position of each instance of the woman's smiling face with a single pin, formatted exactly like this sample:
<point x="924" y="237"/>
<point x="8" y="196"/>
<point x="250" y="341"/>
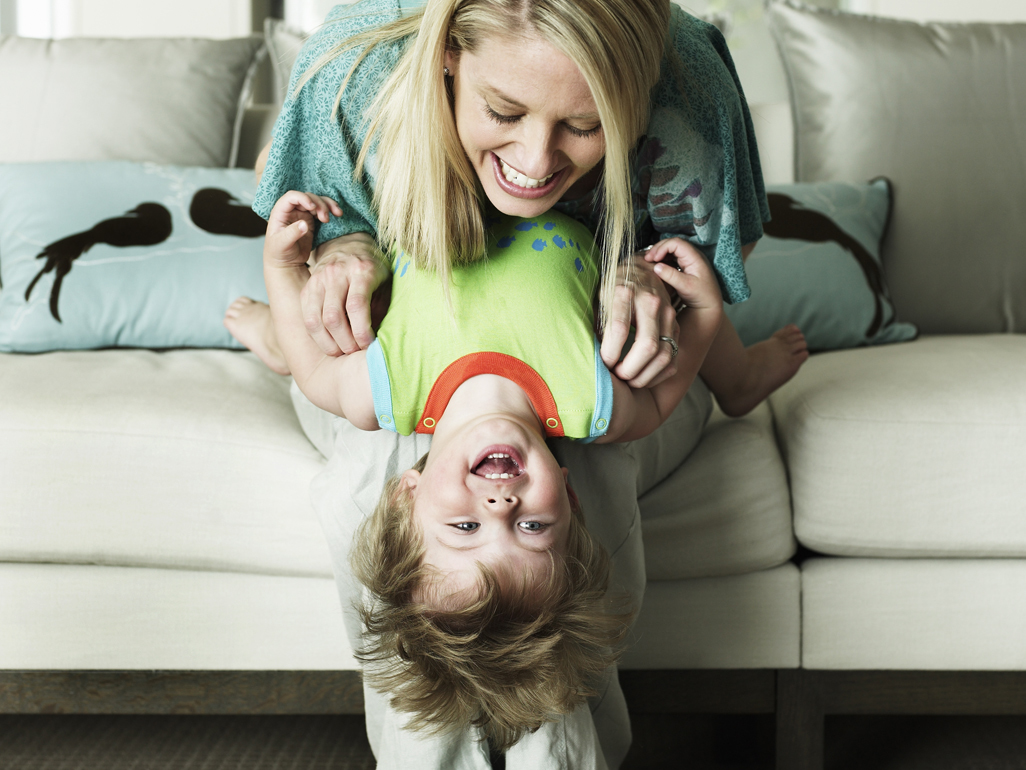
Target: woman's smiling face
<point x="527" y="122"/>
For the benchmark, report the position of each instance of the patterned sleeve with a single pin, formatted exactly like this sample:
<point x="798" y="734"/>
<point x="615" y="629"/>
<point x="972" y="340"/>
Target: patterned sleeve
<point x="312" y="152"/>
<point x="697" y="170"/>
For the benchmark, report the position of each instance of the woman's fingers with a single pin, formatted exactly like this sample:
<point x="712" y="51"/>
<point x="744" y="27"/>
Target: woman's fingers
<point x="312" y="302"/>
<point x="649" y="359"/>
<point x="618" y="325"/>
<point x="364" y="279"/>
<point x="337" y="301"/>
<point x="662" y="365"/>
<point x="650" y="356"/>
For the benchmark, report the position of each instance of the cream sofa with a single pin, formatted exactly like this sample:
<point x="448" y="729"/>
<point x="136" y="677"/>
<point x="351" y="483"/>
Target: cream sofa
<point x="158" y="552"/>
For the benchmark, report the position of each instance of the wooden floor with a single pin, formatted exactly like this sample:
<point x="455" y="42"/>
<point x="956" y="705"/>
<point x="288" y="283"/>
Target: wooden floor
<point x="318" y="742"/>
<point x="702" y="720"/>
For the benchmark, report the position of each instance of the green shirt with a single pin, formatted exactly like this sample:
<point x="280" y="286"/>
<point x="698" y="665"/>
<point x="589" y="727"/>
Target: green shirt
<point x="525" y="312"/>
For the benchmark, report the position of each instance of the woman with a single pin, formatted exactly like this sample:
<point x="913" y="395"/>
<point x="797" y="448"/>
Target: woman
<point x="538" y="105"/>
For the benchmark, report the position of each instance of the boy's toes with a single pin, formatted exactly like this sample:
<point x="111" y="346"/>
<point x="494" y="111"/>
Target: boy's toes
<point x="237" y="307"/>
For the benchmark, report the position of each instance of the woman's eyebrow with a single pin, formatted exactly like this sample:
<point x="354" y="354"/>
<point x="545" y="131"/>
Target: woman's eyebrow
<point x="500" y="95"/>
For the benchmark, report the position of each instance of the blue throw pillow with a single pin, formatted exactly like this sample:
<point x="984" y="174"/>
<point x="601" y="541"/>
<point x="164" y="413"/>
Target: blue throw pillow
<point x="818" y="266"/>
<point x="116" y="253"/>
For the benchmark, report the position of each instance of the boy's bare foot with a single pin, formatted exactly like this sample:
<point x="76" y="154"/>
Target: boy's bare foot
<point x="250" y="323"/>
<point x="771" y="363"/>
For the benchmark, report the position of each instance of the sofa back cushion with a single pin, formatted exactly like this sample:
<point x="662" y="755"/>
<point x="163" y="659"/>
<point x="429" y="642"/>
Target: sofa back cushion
<point x="939" y="109"/>
<point x="175" y="100"/>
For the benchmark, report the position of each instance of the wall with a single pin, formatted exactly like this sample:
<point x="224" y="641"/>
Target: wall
<point x="132" y="18"/>
<point x="943" y="10"/>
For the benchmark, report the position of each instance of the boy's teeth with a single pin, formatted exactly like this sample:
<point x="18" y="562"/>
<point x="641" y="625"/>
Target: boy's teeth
<point x="521" y="180"/>
<point x="498" y="475"/>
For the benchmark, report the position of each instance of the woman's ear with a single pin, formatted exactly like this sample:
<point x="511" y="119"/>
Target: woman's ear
<point x="451" y="60"/>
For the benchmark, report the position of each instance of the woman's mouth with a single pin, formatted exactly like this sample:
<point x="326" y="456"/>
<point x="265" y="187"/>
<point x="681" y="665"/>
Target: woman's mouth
<point x="520" y="185"/>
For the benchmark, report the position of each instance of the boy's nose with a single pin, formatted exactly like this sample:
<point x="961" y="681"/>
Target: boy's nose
<point x="502" y="501"/>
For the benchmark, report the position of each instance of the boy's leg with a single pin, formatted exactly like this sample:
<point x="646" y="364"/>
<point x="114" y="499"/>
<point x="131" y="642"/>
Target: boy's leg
<point x="343" y="494"/>
<point x="662" y="452"/>
<point x="606" y="478"/>
<point x="741" y="378"/>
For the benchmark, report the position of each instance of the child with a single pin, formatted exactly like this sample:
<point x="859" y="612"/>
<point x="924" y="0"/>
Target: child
<point x="485" y="581"/>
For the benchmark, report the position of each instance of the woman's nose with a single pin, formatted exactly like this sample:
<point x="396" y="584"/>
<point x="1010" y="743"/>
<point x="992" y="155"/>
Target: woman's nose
<point x="538" y="154"/>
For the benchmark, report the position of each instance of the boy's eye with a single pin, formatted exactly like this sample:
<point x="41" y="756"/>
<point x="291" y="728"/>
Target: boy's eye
<point x="532" y="526"/>
<point x="466" y="526"/>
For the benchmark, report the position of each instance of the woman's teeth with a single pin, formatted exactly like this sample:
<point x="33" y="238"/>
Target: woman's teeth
<point x="521" y="180"/>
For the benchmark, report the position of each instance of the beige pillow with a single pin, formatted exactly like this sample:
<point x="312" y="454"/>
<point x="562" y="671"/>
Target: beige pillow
<point x="168" y="100"/>
<point x="283" y="44"/>
<point x="939" y="109"/>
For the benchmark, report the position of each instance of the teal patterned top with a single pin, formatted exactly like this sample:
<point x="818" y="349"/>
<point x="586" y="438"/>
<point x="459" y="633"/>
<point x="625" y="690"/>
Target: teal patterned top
<point x="696" y="172"/>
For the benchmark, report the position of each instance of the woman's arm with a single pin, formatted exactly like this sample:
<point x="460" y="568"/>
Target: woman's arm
<point x="314" y="149"/>
<point x="340" y="385"/>
<point x="640" y="299"/>
<point x="337" y="300"/>
<point x="639" y="411"/>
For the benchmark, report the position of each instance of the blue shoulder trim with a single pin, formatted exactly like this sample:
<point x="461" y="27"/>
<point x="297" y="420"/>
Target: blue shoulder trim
<point x="381" y="386"/>
<point x="603" y="398"/>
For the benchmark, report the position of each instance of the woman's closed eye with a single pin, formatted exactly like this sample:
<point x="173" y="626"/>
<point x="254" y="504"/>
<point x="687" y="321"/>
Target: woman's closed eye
<point x="508" y="120"/>
<point x="500" y="118"/>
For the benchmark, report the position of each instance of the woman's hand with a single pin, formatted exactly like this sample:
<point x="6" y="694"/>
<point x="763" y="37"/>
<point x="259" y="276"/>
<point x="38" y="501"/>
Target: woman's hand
<point x="644" y="297"/>
<point x="336" y="301"/>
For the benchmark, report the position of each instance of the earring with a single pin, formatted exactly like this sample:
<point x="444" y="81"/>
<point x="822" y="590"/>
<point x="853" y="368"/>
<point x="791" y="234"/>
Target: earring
<point x="446" y="71"/>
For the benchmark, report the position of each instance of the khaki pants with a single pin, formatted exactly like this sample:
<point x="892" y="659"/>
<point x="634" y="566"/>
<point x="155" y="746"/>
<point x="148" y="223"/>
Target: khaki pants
<point x="608" y="480"/>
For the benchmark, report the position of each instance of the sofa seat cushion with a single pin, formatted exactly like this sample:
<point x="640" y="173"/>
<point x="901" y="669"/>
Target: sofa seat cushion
<point x="914" y="614"/>
<point x="739" y="621"/>
<point x="726" y="510"/>
<point x="189" y="459"/>
<point x="59" y="616"/>
<point x="915" y="449"/>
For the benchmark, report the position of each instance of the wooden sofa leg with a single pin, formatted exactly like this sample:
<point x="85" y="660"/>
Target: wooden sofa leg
<point x="800" y="722"/>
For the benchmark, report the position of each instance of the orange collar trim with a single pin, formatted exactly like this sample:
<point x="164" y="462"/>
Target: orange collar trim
<point x="473" y="364"/>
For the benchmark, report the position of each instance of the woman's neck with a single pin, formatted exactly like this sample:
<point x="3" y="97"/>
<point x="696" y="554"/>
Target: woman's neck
<point x="584" y="186"/>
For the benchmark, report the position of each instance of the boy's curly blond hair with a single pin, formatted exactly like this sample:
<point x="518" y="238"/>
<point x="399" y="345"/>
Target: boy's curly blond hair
<point x="517" y="655"/>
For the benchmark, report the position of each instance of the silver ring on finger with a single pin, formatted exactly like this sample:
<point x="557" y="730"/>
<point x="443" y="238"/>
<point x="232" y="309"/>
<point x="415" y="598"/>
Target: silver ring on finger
<point x="673" y="346"/>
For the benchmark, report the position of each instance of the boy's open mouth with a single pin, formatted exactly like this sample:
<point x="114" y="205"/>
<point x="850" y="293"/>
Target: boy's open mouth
<point x="497" y="464"/>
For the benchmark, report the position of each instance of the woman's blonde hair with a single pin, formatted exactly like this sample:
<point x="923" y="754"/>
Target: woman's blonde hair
<point x="519" y="653"/>
<point x="617" y="45"/>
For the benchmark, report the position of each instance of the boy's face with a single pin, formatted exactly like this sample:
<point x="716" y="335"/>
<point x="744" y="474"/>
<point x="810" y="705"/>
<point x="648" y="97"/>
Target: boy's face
<point x="491" y="494"/>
